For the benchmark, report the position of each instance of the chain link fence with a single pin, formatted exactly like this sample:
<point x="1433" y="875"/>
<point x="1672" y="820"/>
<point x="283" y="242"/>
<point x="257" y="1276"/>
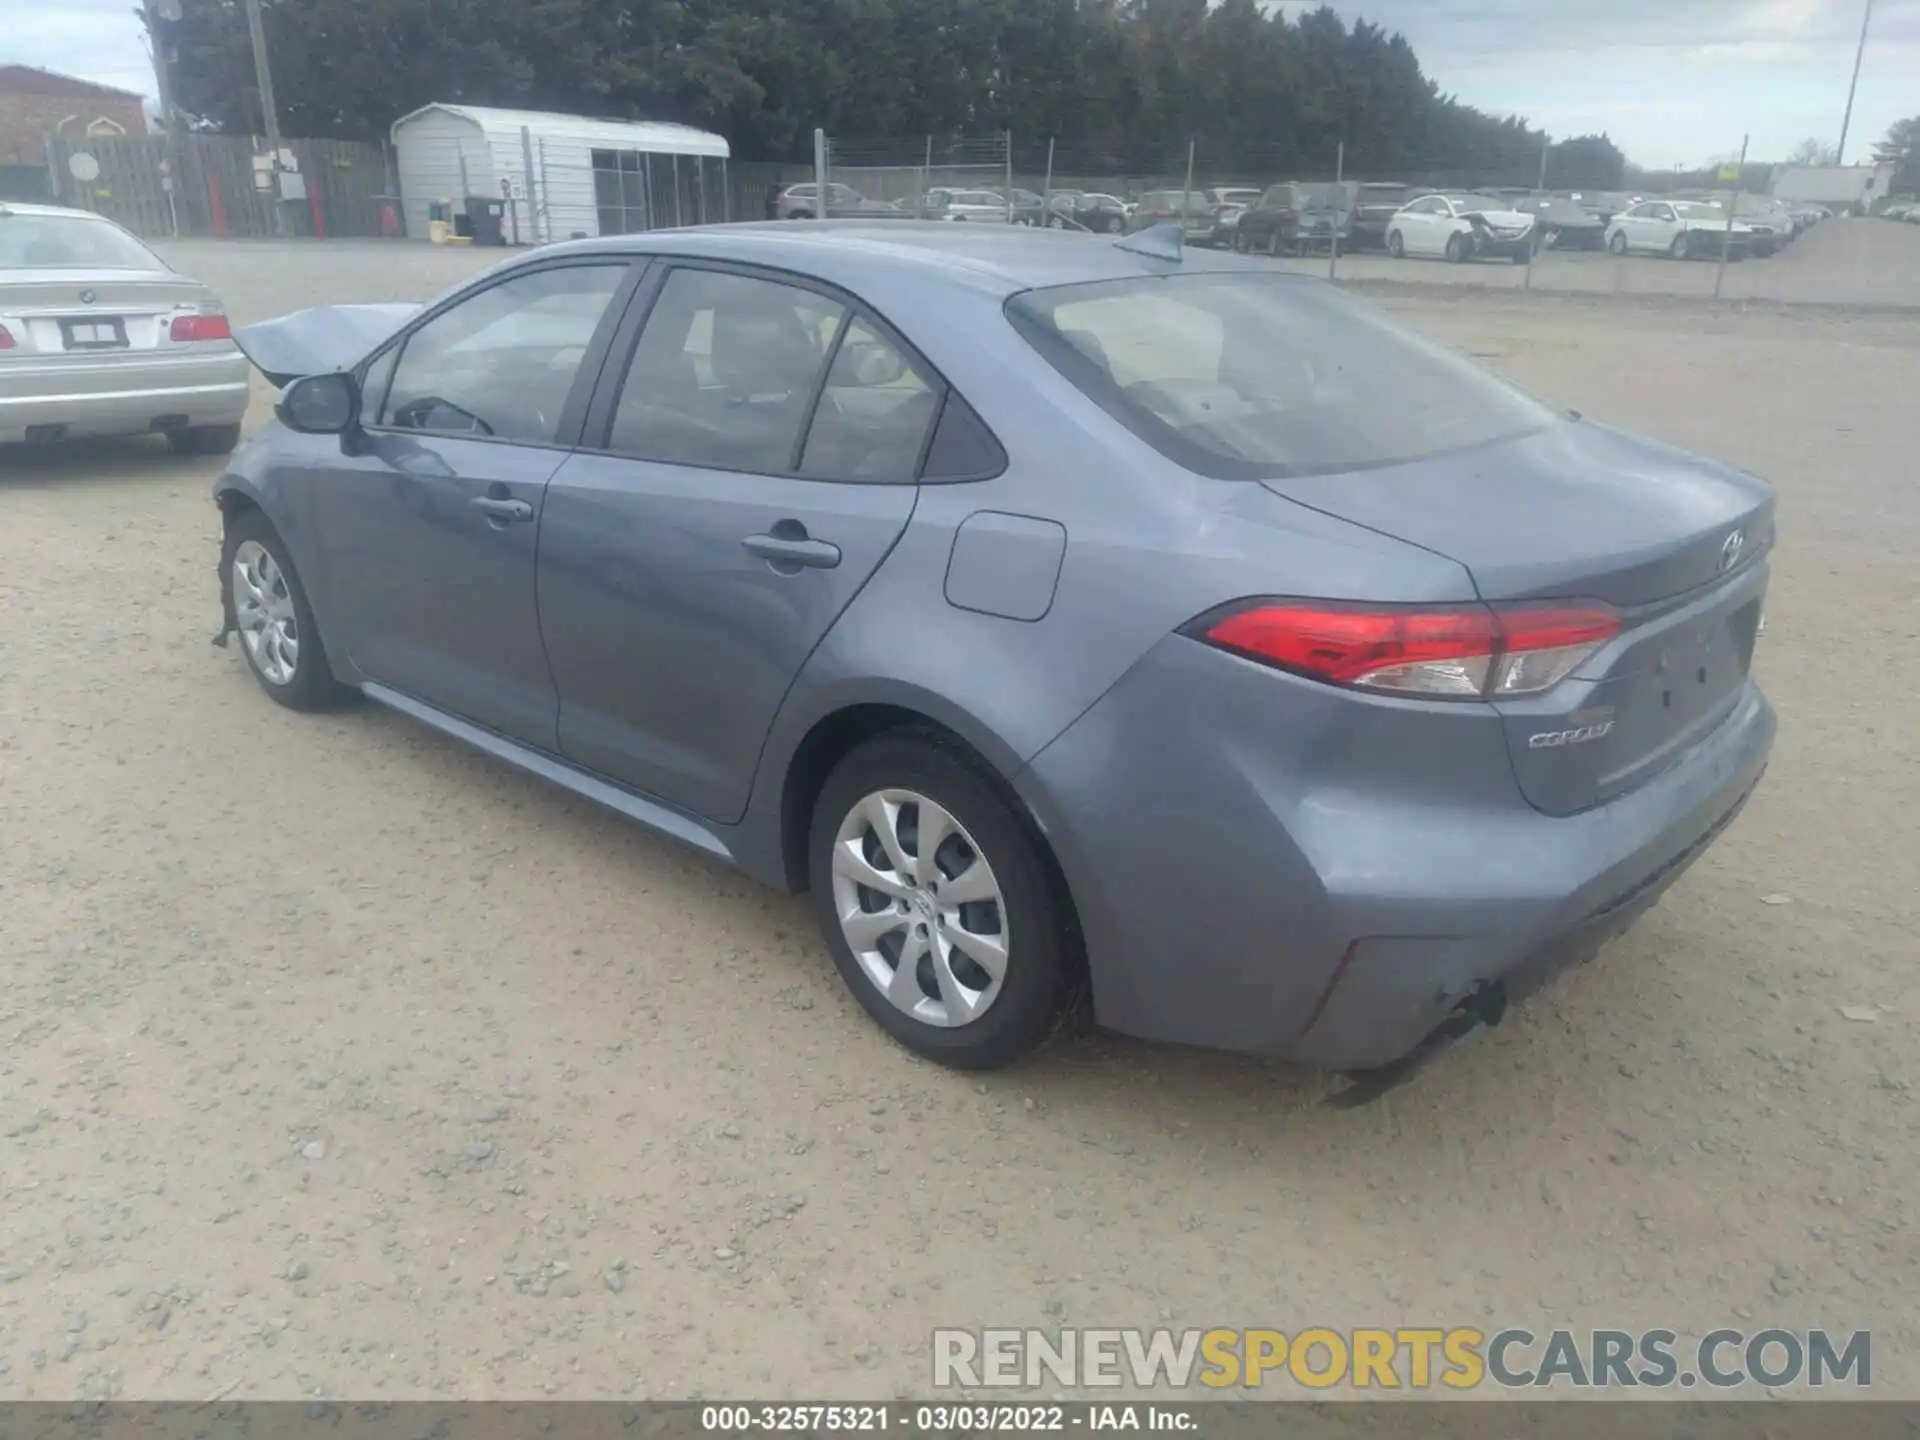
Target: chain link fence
<point x="928" y="178"/>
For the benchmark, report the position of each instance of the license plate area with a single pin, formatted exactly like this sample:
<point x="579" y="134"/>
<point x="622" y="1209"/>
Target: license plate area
<point x="94" y="333"/>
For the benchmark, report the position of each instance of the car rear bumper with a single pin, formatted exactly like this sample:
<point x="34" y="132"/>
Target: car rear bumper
<point x="1265" y="863"/>
<point x="68" y="399"/>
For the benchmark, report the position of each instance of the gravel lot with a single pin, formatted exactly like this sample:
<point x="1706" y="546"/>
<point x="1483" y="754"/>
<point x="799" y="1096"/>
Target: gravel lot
<point x="338" y="1059"/>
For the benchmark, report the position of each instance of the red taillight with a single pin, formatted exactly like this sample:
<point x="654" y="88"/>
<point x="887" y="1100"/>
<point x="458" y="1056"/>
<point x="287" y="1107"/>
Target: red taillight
<point x="1462" y="653"/>
<point x="6" y="338"/>
<point x="200" y="327"/>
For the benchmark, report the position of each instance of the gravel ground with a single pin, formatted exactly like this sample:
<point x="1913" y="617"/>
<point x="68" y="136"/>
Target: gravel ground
<point x="338" y="1059"/>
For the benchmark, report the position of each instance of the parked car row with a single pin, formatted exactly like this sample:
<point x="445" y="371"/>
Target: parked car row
<point x="1302" y="217"/>
<point x="1909" y="211"/>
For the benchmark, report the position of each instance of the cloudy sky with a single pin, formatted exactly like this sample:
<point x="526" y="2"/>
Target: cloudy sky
<point x="1673" y="81"/>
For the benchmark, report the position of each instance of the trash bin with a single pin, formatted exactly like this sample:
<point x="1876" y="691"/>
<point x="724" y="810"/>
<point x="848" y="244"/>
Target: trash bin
<point x="486" y="220"/>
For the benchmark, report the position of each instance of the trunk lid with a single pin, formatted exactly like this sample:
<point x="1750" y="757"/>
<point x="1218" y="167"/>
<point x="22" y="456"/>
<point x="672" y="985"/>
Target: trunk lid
<point x="1582" y="512"/>
<point x="40" y="309"/>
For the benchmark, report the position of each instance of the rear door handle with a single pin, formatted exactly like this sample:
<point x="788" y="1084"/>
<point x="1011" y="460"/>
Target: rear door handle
<point x="792" y="553"/>
<point x="501" y="510"/>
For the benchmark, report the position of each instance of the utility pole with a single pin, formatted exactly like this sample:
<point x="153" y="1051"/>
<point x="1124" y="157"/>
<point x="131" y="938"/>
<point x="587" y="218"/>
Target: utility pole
<point x="163" y="82"/>
<point x="1733" y="201"/>
<point x="1846" y="123"/>
<point x="269" y="113"/>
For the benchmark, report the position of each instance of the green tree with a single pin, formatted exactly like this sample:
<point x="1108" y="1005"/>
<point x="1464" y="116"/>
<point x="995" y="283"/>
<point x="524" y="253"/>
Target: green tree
<point x="1586" y="162"/>
<point x="1123" y="85"/>
<point x="1813" y="151"/>
<point x="1901" y="148"/>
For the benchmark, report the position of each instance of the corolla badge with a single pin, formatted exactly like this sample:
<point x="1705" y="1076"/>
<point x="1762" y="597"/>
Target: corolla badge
<point x="1730" y="549"/>
<point x="1554" y="739"/>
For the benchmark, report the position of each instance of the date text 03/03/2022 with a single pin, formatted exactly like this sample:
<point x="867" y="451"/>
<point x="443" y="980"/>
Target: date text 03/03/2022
<point x="939" y="1419"/>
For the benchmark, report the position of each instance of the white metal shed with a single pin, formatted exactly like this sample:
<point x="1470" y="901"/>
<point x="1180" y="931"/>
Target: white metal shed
<point x="561" y="176"/>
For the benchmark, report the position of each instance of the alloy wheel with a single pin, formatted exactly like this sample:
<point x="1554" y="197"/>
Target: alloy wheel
<point x="920" y="908"/>
<point x="263" y="610"/>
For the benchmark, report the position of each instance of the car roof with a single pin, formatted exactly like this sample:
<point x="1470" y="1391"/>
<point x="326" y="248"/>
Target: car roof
<point x="996" y="259"/>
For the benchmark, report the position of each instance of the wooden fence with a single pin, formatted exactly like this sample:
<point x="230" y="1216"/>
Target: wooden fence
<point x="220" y="192"/>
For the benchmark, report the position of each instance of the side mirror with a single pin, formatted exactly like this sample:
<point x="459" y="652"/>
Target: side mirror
<point x="320" y="404"/>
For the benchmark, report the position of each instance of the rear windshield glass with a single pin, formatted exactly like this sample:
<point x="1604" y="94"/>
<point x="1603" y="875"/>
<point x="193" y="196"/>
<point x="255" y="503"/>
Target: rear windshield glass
<point x="69" y="242"/>
<point x="1244" y="375"/>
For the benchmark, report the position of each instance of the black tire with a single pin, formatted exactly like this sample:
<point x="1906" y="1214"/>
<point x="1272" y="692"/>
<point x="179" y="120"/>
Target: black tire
<point x="312" y="685"/>
<point x="1617" y="242"/>
<point x="1044" y="980"/>
<point x="1682" y="246"/>
<point x="204" y="440"/>
<point x="1396" y="246"/>
<point x="1114" y="225"/>
<point x="1458" y="250"/>
<point x="1239" y="241"/>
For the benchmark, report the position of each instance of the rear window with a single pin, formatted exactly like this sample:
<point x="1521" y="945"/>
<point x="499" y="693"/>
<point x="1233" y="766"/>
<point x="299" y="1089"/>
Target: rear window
<point x="69" y="242"/>
<point x="1246" y="375"/>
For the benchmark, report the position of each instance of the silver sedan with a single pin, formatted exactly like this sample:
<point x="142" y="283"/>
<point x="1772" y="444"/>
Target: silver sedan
<point x="99" y="337"/>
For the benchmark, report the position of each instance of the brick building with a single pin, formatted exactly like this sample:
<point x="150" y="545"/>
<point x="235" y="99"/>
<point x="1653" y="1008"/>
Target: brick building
<point x="34" y="102"/>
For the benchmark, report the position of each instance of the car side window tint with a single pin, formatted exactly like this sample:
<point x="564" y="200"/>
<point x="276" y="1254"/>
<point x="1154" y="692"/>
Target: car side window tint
<point x="724" y="373"/>
<point x="962" y="448"/>
<point x="872" y="420"/>
<point x="501" y="363"/>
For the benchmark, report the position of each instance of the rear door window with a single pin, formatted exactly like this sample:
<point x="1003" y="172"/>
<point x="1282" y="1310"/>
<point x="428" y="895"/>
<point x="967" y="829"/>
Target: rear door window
<point x="725" y="372"/>
<point x="873" y="416"/>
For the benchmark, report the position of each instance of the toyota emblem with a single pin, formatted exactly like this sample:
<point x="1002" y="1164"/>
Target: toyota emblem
<point x="87" y="297"/>
<point x="1730" y="550"/>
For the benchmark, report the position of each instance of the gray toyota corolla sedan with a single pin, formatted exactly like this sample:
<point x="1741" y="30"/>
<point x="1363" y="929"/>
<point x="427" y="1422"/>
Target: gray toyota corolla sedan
<point x="99" y="337"/>
<point x="1071" y="617"/>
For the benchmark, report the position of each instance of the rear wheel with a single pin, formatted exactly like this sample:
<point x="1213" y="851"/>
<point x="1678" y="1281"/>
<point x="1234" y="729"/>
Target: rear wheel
<point x="1682" y="246"/>
<point x="939" y="905"/>
<point x="1396" y="245"/>
<point x="1114" y="225"/>
<point x="204" y="440"/>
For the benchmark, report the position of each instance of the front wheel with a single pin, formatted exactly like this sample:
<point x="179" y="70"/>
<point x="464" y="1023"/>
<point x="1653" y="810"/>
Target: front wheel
<point x="269" y="611"/>
<point x="1114" y="225"/>
<point x="1396" y="245"/>
<point x="1457" y="249"/>
<point x="1617" y="242"/>
<point x="939" y="904"/>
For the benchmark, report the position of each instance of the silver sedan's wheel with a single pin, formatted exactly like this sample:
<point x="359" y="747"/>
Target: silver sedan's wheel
<point x="264" y="611"/>
<point x="920" y="908"/>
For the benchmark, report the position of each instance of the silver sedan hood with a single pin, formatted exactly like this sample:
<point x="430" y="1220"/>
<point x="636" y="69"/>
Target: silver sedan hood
<point x="314" y="342"/>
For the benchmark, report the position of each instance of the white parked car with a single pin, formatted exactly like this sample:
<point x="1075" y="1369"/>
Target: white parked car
<point x="976" y="205"/>
<point x="1462" y="227"/>
<point x="1684" y="229"/>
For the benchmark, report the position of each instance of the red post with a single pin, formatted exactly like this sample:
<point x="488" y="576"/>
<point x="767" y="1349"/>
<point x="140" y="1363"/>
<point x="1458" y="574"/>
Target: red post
<point x="219" y="210"/>
<point x="313" y="209"/>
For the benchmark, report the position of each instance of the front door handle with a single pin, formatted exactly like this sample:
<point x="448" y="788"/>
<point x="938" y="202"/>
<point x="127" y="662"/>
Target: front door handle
<point x="500" y="509"/>
<point x="790" y="552"/>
